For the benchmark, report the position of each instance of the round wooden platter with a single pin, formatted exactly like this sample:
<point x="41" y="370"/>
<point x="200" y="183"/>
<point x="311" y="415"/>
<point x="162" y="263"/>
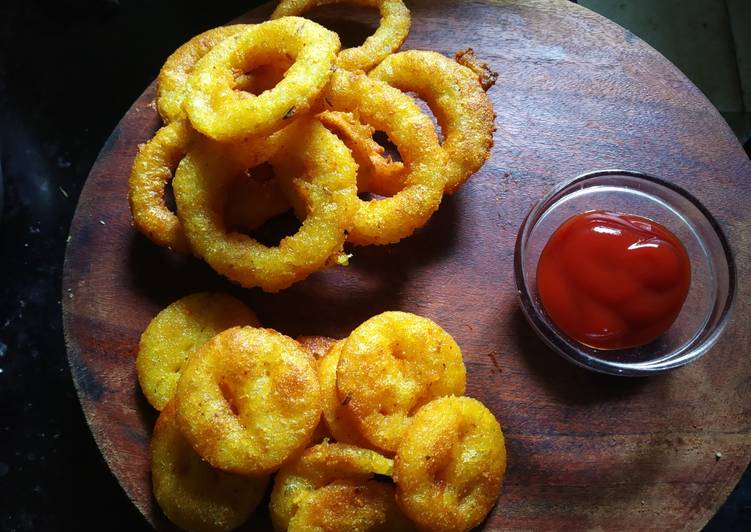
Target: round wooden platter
<point x="576" y="93"/>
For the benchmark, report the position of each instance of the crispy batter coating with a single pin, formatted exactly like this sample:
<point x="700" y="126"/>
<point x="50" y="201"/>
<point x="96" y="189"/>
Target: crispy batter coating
<point x="192" y="494"/>
<point x="459" y="103"/>
<point x="171" y="85"/>
<point x="219" y="111"/>
<point x="317" y="173"/>
<point x="450" y="465"/>
<point x="347" y="506"/>
<point x="248" y="400"/>
<point x="375" y="173"/>
<point x="176" y="332"/>
<point x="388" y="220"/>
<point x="389" y="367"/>
<point x="485" y="74"/>
<point x="317" y="467"/>
<point x="153" y="168"/>
<point x="317" y="345"/>
<point x="389" y="37"/>
<point x="339" y="423"/>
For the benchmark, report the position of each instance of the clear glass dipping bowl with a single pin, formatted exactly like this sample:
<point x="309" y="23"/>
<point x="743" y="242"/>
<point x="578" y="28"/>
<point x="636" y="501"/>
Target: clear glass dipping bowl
<point x="707" y="308"/>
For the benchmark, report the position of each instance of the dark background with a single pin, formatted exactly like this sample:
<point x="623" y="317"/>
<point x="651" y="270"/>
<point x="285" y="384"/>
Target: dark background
<point x="68" y="72"/>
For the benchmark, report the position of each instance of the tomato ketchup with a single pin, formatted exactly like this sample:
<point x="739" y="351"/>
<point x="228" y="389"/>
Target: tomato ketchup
<point x="611" y="280"/>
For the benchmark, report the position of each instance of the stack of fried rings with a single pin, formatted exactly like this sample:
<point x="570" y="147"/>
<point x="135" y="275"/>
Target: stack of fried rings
<point x="282" y="93"/>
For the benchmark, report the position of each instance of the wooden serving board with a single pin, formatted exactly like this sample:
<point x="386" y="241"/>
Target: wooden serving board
<point x="576" y="93"/>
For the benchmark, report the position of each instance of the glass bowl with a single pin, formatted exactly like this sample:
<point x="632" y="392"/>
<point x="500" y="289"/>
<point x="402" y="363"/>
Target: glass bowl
<point x="707" y="308"/>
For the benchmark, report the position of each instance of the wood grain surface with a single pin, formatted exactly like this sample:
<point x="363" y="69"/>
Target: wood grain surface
<point x="576" y="93"/>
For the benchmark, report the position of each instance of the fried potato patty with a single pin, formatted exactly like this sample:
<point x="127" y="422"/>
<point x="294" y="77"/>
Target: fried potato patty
<point x="248" y="400"/>
<point x="193" y="494"/>
<point x="450" y="465"/>
<point x="389" y="367"/>
<point x="316" y="468"/>
<point x="176" y="332"/>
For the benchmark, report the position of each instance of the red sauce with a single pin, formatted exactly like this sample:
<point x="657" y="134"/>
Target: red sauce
<point x="613" y="281"/>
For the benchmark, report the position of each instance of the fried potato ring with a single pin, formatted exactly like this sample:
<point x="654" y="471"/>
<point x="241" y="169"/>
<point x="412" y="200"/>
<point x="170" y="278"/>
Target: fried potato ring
<point x="176" y="332"/>
<point x="389" y="367"/>
<point x="450" y="465"/>
<point x="317" y="345"/>
<point x="217" y="110"/>
<point x="250" y="202"/>
<point x="388" y="220"/>
<point x="190" y="492"/>
<point x="152" y="169"/>
<point x="389" y="37"/>
<point x="459" y="103"/>
<point x="171" y="85"/>
<point x="321" y="173"/>
<point x="248" y="400"/>
<point x="317" y="467"/>
<point x="346" y="506"/>
<point x="375" y="173"/>
<point x="338" y="422"/>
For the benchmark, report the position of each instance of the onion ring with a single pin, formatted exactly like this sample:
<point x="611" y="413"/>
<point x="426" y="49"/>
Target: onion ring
<point x="249" y="202"/>
<point x="321" y="173"/>
<point x="347" y="506"/>
<point x="389" y="367"/>
<point x="450" y="465"/>
<point x="192" y="494"/>
<point x="176" y="332"/>
<point x="171" y="85"/>
<point x="314" y="469"/>
<point x="390" y="35"/>
<point x="217" y="110"/>
<point x="388" y="220"/>
<point x="248" y="400"/>
<point x="375" y="173"/>
<point x="152" y="169"/>
<point x="459" y="103"/>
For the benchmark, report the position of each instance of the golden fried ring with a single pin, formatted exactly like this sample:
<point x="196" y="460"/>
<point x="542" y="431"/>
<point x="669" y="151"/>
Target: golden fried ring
<point x="450" y="465"/>
<point x="317" y="345"/>
<point x="176" y="332"/>
<point x="390" y="35"/>
<point x="459" y="103"/>
<point x="250" y="202"/>
<point x="389" y="367"/>
<point x="192" y="494"/>
<point x="217" y="110"/>
<point x="347" y="506"/>
<point x="339" y="424"/>
<point x="171" y="85"/>
<point x="314" y="469"/>
<point x="314" y="165"/>
<point x="388" y="220"/>
<point x="152" y="169"/>
<point x="375" y="173"/>
<point x="248" y="400"/>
